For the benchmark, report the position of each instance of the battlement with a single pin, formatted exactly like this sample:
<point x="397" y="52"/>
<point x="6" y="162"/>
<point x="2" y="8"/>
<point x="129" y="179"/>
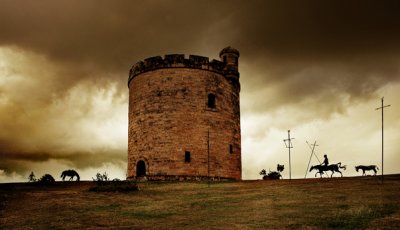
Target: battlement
<point x="179" y="61"/>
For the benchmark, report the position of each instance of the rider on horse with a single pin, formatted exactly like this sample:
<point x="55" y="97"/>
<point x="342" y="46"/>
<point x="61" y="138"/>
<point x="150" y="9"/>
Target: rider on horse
<point x="326" y="161"/>
<point x="325" y="166"/>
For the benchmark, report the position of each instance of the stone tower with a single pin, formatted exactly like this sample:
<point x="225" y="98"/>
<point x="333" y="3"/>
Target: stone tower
<point x="184" y="118"/>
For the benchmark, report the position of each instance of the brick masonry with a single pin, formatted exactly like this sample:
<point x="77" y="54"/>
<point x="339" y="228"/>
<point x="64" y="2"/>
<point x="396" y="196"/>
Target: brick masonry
<point x="170" y="118"/>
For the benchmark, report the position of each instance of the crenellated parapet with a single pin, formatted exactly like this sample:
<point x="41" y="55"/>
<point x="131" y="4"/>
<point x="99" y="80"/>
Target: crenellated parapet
<point x="179" y="61"/>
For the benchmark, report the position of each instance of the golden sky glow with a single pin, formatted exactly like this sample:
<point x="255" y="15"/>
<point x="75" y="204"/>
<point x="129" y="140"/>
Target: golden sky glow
<point x="317" y="68"/>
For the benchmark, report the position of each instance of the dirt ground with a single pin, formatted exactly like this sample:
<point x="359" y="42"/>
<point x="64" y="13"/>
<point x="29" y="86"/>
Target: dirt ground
<point x="337" y="203"/>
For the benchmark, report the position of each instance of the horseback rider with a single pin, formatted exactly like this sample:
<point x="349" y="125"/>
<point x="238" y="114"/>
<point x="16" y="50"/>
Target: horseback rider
<point x="326" y="161"/>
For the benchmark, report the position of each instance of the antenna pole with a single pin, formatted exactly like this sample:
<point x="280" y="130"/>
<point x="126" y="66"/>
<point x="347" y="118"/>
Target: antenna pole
<point x="290" y="166"/>
<point x="208" y="157"/>
<point x="382" y="107"/>
<point x="289" y="146"/>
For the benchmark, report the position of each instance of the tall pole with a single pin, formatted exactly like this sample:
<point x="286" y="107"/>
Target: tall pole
<point x="289" y="146"/>
<point x="290" y="166"/>
<point x="208" y="157"/>
<point x="382" y="107"/>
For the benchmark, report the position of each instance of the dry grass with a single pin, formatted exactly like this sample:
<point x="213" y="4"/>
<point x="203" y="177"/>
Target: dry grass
<point x="339" y="203"/>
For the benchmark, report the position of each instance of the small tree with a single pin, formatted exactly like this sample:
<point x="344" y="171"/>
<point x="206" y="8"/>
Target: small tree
<point x="101" y="177"/>
<point x="32" y="177"/>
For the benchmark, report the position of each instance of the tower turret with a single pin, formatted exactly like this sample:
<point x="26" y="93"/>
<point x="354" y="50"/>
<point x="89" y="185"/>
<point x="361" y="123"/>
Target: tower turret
<point x="230" y="56"/>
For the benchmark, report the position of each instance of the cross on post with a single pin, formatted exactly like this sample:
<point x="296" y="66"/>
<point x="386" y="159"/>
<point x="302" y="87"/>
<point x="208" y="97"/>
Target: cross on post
<point x="382" y="107"/>
<point x="312" y="153"/>
<point x="289" y="145"/>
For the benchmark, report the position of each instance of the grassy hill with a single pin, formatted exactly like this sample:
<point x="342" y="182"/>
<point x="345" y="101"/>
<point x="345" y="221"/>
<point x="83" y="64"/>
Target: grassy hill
<point x="338" y="203"/>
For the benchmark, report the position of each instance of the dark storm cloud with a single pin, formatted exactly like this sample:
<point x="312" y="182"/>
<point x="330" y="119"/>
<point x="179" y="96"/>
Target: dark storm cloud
<point x="314" y="29"/>
<point x="19" y="162"/>
<point x="115" y="35"/>
<point x="104" y="33"/>
<point x="324" y="53"/>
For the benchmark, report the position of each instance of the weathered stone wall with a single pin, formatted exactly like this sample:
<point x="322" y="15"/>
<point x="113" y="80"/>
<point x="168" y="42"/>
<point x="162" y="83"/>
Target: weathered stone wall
<point x="169" y="115"/>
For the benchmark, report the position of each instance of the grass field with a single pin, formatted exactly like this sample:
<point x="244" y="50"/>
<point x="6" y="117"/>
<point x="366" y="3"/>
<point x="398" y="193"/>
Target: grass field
<point x="338" y="203"/>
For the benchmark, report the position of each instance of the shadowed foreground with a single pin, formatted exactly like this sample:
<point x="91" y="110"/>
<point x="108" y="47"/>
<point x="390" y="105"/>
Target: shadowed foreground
<point x="343" y="203"/>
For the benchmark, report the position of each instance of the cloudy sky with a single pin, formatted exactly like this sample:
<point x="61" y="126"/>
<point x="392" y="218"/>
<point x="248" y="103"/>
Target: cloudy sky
<point x="318" y="68"/>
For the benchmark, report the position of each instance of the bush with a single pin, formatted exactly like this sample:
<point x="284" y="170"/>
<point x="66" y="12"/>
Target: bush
<point x="101" y="177"/>
<point x="272" y="175"/>
<point x="47" y="179"/>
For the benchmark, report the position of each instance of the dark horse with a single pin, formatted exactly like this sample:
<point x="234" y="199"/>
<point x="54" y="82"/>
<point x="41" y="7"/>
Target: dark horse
<point x="71" y="173"/>
<point x="367" y="168"/>
<point x="333" y="167"/>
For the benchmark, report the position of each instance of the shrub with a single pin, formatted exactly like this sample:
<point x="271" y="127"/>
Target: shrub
<point x="272" y="175"/>
<point x="47" y="179"/>
<point x="101" y="177"/>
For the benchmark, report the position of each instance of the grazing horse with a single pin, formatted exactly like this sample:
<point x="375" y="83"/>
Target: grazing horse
<point x="333" y="167"/>
<point x="367" y="168"/>
<point x="71" y="173"/>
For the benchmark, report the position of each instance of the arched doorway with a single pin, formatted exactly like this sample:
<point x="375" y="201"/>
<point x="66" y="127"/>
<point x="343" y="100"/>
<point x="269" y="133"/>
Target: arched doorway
<point x="141" y="169"/>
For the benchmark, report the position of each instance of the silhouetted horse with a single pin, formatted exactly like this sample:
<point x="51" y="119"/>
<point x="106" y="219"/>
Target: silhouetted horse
<point x="333" y="167"/>
<point x="71" y="173"/>
<point x="367" y="168"/>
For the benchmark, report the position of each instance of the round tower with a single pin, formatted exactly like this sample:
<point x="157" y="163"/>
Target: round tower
<point x="184" y="118"/>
